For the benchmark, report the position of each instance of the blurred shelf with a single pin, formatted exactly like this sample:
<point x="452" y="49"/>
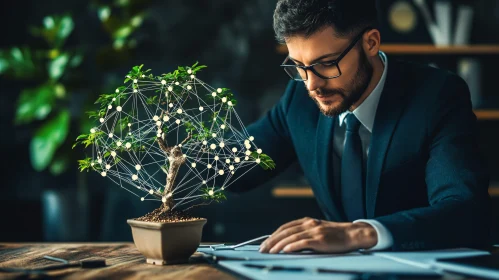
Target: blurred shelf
<point x="306" y="192"/>
<point x="489" y="114"/>
<point x="415" y="49"/>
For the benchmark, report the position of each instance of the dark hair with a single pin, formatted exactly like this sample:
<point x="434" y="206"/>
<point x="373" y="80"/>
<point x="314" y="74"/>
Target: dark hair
<point x="305" y="17"/>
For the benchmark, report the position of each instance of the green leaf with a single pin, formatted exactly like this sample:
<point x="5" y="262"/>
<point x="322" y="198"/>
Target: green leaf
<point x="4" y="65"/>
<point x="47" y="139"/>
<point x="35" y="103"/>
<point x="57" y="66"/>
<point x="64" y="29"/>
<point x="76" y="60"/>
<point x="59" y="165"/>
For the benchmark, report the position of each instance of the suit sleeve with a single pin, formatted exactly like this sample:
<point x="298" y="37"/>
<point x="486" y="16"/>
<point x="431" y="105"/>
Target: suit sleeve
<point x="271" y="133"/>
<point x="456" y="178"/>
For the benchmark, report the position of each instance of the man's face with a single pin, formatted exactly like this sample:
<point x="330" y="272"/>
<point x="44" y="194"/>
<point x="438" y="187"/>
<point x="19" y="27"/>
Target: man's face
<point x="333" y="96"/>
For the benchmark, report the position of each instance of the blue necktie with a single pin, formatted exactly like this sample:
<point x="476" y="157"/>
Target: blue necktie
<point x="352" y="179"/>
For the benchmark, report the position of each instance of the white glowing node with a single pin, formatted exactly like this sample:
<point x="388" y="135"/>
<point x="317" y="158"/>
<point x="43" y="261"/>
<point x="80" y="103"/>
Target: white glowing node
<point x="189" y="71"/>
<point x="113" y="153"/>
<point x="192" y="76"/>
<point x="163" y="199"/>
<point x="193" y="164"/>
<point x="151" y="191"/>
<point x="217" y="158"/>
<point x="101" y="120"/>
<point x="135" y="90"/>
<point x="246" y="158"/>
<point x="222" y="126"/>
<point x="177" y="121"/>
<point x="189" y="87"/>
<point x="108" y="166"/>
<point x="92" y="130"/>
<point x="221" y="172"/>
<point x="163" y="82"/>
<point x="129" y="125"/>
<point x="209" y="166"/>
<point x="158" y="123"/>
<point x="224" y="99"/>
<point x="180" y="145"/>
<point x="248" y="153"/>
<point x="179" y="111"/>
<point x="92" y="164"/>
<point x="211" y="192"/>
<point x="205" y="142"/>
<point x="143" y="76"/>
<point x="110" y="107"/>
<point x="141" y="199"/>
<point x="166" y="118"/>
<point x="170" y="88"/>
<point x="135" y="177"/>
<point x="219" y="90"/>
<point x="155" y="118"/>
<point x="229" y="103"/>
<point x="227" y="160"/>
<point x="214" y="135"/>
<point x="103" y="173"/>
<point x="99" y="160"/>
<point x="135" y="80"/>
<point x="222" y="144"/>
<point x="204" y="181"/>
<point x="138" y="167"/>
<point x="118" y="143"/>
<point x="170" y="105"/>
<point x="222" y="188"/>
<point x="234" y="149"/>
<point x="117" y="91"/>
<point x="119" y="108"/>
<point x="232" y="172"/>
<point x="184" y="155"/>
<point x="248" y="146"/>
<point x="177" y="83"/>
<point x="114" y="99"/>
<point x="201" y="108"/>
<point x="259" y="151"/>
<point x="129" y="133"/>
<point x="213" y="94"/>
<point x="231" y="167"/>
<point x="246" y="142"/>
<point x="213" y="146"/>
<point x="128" y="145"/>
<point x="252" y="138"/>
<point x="237" y="159"/>
<point x="258" y="160"/>
<point x="110" y="135"/>
<point x="158" y="135"/>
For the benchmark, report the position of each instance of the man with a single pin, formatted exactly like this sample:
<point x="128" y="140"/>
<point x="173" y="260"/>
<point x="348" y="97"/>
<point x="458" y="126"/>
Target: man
<point x="388" y="147"/>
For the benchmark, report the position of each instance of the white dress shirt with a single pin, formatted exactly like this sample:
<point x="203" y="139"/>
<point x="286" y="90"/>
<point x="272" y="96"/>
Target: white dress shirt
<point x="365" y="113"/>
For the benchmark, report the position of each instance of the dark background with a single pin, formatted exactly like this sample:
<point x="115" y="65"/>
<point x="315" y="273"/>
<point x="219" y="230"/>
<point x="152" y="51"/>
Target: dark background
<point x="235" y="39"/>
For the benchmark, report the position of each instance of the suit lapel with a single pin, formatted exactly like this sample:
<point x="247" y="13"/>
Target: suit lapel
<point x="390" y="107"/>
<point x="324" y="164"/>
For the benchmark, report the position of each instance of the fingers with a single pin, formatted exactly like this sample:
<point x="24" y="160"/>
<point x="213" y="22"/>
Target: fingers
<point x="302" y="244"/>
<point x="303" y="235"/>
<point x="288" y="230"/>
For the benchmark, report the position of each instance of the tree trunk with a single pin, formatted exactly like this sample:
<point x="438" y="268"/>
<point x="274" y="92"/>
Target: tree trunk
<point x="176" y="160"/>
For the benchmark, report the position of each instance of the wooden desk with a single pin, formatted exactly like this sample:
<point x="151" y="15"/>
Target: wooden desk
<point x="123" y="260"/>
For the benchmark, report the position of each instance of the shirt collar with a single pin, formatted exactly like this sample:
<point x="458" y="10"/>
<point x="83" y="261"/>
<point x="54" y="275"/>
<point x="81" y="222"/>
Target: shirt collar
<point x="366" y="111"/>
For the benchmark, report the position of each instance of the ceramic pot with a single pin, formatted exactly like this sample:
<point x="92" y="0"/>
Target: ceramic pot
<point x="167" y="243"/>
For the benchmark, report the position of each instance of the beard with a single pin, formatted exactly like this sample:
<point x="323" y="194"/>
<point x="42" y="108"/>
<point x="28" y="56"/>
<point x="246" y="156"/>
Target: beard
<point x="359" y="83"/>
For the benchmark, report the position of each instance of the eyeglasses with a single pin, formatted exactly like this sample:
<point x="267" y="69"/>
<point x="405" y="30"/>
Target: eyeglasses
<point x="324" y="70"/>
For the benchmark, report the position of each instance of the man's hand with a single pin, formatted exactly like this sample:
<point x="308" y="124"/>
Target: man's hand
<point x="320" y="236"/>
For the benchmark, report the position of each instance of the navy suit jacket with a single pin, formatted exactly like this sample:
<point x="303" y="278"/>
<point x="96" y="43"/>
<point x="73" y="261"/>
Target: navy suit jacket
<point x="425" y="182"/>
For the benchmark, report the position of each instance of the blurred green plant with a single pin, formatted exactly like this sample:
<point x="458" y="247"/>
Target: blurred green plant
<point x="48" y="70"/>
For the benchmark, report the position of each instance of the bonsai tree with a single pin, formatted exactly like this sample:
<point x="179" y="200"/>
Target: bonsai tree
<point x="163" y="125"/>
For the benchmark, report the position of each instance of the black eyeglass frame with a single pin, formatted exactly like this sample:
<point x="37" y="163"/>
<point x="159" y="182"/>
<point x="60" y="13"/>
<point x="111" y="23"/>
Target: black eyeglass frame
<point x="328" y="63"/>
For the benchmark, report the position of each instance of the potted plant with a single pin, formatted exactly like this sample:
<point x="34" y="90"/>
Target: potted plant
<point x="176" y="140"/>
